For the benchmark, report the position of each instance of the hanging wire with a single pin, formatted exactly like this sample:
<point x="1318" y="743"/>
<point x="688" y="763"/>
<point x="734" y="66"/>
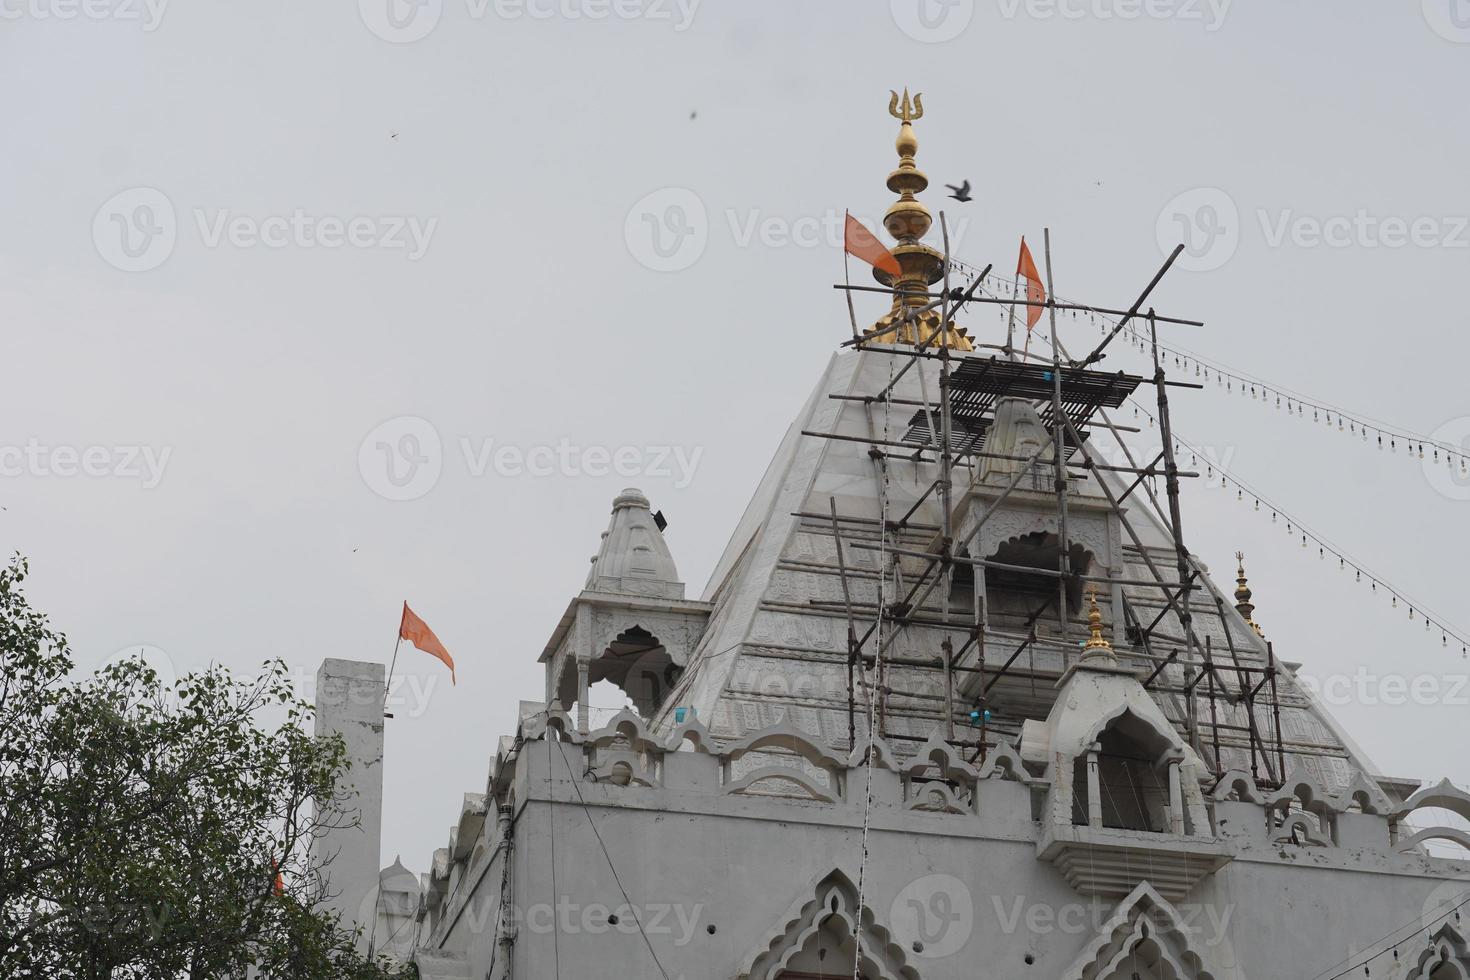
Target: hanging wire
<point x="1294" y="528"/>
<point x="1228" y="377"/>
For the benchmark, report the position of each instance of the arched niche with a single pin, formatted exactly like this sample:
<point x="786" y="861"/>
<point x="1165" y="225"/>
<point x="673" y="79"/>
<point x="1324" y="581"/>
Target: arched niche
<point x="1132" y="779"/>
<point x="826" y="934"/>
<point x="1445" y="957"/>
<point x="637" y="662"/>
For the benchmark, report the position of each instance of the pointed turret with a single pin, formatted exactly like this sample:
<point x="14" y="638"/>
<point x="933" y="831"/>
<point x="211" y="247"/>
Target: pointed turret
<point x="1017" y="432"/>
<point x="633" y="559"/>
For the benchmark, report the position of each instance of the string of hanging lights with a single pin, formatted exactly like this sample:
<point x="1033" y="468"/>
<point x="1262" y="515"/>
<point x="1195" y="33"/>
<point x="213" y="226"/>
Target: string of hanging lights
<point x="1245" y="493"/>
<point x="1389" y="944"/>
<point x="1371" y="431"/>
<point x="1433" y="621"/>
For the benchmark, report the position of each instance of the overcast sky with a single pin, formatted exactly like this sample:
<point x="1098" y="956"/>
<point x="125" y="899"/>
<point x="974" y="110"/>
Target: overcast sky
<point x="251" y="254"/>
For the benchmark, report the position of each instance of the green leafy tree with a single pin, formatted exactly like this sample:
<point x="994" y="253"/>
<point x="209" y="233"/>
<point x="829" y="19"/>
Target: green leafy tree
<point x="159" y="831"/>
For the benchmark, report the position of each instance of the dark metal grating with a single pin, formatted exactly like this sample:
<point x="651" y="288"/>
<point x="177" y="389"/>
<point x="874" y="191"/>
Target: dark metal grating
<point x="963" y="438"/>
<point x="978" y="384"/>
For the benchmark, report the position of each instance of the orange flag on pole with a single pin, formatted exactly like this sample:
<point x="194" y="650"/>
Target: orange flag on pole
<point x="858" y="240"/>
<point x="417" y="632"/>
<point x="1035" y="293"/>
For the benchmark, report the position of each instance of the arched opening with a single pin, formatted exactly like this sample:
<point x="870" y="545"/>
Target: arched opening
<point x="1447" y="970"/>
<point x="827" y="954"/>
<point x="1026" y="590"/>
<point x="1450" y="845"/>
<point x="634" y="671"/>
<point x="821" y="940"/>
<point x="1132" y="778"/>
<point x="605" y="701"/>
<point x="1146" y="960"/>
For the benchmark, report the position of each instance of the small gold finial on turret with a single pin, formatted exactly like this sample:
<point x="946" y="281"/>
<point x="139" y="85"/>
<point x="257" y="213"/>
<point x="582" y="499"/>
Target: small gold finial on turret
<point x="908" y="221"/>
<point x="1243" y="604"/>
<point x="1095" y="624"/>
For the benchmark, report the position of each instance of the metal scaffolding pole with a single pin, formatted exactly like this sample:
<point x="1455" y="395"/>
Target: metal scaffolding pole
<point x="1059" y="419"/>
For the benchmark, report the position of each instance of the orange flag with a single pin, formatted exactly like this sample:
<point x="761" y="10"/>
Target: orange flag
<point x="1035" y="294"/>
<point x="859" y="241"/>
<point x="417" y="632"/>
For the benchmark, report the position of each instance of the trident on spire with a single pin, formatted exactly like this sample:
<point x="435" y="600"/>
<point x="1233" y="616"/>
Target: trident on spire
<point x="910" y="110"/>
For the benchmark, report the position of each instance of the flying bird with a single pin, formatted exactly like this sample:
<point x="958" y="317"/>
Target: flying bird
<point x="392" y="136"/>
<point x="693" y="115"/>
<point x="961" y="193"/>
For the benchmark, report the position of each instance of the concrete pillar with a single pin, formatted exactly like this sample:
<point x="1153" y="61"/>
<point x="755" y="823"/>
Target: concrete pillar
<point x="349" y="703"/>
<point x="507" y="933"/>
<point x="1176" y="799"/>
<point x="583" y="715"/>
<point x="1094" y="788"/>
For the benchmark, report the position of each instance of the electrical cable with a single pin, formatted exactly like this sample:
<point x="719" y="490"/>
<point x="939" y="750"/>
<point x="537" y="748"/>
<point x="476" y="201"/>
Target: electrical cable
<point x="632" y="910"/>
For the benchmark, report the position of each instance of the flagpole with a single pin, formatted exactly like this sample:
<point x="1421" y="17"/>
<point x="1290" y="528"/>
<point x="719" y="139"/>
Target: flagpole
<point x="1011" y="327"/>
<point x="388" y="684"/>
<point x="847" y="276"/>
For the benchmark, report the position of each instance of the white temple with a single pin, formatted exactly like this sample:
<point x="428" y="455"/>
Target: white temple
<point x="987" y="726"/>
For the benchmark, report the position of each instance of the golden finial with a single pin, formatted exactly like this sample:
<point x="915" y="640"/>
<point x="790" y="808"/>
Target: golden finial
<point x="908" y="221"/>
<point x="1243" y="604"/>
<point x="1095" y="624"/>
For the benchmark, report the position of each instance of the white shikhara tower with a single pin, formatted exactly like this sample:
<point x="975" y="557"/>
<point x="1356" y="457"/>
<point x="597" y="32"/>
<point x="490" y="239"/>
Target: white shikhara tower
<point x="956" y="702"/>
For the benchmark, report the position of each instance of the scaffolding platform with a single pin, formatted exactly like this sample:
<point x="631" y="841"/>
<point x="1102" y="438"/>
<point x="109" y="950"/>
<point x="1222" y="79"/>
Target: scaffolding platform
<point x="978" y="384"/>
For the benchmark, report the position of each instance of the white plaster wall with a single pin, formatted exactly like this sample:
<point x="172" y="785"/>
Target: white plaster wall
<point x="349" y="702"/>
<point x="691" y="858"/>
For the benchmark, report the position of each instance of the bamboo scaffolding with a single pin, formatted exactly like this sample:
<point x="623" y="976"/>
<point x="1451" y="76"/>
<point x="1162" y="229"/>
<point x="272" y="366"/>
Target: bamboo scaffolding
<point x="906" y="607"/>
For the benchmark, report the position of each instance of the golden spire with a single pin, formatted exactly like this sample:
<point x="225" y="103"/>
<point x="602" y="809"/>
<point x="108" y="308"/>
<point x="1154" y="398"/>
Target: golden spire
<point x="908" y="220"/>
<point x="1243" y="604"/>
<point x="1097" y="642"/>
